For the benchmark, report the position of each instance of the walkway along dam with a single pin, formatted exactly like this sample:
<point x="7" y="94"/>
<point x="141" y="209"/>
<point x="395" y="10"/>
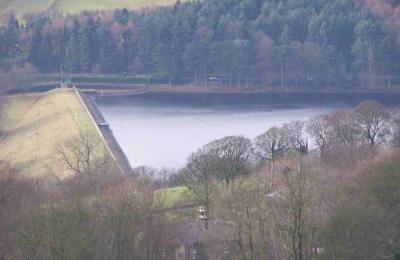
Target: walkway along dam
<point x="105" y="131"/>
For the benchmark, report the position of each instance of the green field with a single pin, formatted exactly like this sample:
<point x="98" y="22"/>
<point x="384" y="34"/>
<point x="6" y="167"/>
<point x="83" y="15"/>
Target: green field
<point x="175" y="196"/>
<point x="35" y="124"/>
<point x="21" y="7"/>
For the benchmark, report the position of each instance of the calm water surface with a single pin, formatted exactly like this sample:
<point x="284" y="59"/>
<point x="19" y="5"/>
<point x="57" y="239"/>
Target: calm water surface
<point x="161" y="131"/>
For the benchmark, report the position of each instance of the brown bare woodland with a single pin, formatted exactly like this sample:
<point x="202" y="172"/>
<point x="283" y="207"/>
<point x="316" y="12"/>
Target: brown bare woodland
<point x="95" y="214"/>
<point x="337" y="199"/>
<point x="291" y="210"/>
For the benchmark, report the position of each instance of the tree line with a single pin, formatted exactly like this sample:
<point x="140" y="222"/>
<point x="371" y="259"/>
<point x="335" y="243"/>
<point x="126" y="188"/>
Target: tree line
<point x="335" y="198"/>
<point x="290" y="199"/>
<point x="286" y="44"/>
<point x="340" y="134"/>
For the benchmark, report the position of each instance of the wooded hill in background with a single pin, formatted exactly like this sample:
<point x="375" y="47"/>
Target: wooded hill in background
<point x="287" y="44"/>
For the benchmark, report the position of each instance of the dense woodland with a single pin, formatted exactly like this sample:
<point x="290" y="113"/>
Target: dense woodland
<point x="313" y="44"/>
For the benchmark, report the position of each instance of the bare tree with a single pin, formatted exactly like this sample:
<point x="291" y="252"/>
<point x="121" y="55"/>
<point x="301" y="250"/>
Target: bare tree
<point x="221" y="159"/>
<point x="364" y="224"/>
<point x="273" y="222"/>
<point x="123" y="221"/>
<point x="132" y="222"/>
<point x="245" y="205"/>
<point x="395" y="141"/>
<point x="298" y="181"/>
<point x="293" y="134"/>
<point x="199" y="174"/>
<point x="61" y="230"/>
<point x="231" y="206"/>
<point x="18" y="195"/>
<point x="231" y="156"/>
<point x="85" y="155"/>
<point x="265" y="56"/>
<point x="373" y="120"/>
<point x="345" y="129"/>
<point x="90" y="162"/>
<point x="64" y="228"/>
<point x="321" y="132"/>
<point x="269" y="145"/>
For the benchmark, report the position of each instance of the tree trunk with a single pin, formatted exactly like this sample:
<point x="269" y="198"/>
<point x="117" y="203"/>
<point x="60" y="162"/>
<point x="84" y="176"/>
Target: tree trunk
<point x="205" y="77"/>
<point x="238" y="78"/>
<point x="247" y="79"/>
<point x="282" y="82"/>
<point x="230" y="79"/>
<point x="371" y="80"/>
<point x="300" y="235"/>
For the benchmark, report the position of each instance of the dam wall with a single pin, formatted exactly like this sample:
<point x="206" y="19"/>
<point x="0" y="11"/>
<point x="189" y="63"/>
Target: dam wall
<point x="104" y="131"/>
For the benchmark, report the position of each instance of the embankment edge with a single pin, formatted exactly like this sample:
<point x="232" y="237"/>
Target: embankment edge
<point x="104" y="131"/>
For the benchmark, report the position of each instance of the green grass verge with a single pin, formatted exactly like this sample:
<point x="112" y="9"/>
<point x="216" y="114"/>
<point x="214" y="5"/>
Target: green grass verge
<point x="175" y="196"/>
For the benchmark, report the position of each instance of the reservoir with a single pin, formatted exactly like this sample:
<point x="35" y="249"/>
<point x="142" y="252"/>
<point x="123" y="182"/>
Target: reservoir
<point x="161" y="130"/>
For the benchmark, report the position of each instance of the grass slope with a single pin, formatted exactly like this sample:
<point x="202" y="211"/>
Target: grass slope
<point x="21" y="7"/>
<point x="175" y="196"/>
<point x="36" y="124"/>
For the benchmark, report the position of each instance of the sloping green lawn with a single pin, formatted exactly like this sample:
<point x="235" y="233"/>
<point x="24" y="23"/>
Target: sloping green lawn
<point x="175" y="196"/>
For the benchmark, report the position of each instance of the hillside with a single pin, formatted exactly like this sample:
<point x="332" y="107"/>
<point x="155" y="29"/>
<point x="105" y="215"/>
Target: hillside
<point x="36" y="124"/>
<point x="21" y="7"/>
<point x="297" y="45"/>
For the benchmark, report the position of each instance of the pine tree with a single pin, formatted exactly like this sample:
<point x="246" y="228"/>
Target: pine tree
<point x="10" y="37"/>
<point x="35" y="56"/>
<point x="128" y="49"/>
<point x="108" y="52"/>
<point x="63" y="40"/>
<point x="47" y="52"/>
<point x="75" y="51"/>
<point x="85" y="41"/>
<point x="89" y="44"/>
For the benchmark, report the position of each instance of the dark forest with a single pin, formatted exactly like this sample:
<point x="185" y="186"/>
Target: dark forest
<point x="288" y="44"/>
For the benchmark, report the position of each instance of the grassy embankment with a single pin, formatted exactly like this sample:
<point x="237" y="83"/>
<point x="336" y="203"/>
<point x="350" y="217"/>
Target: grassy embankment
<point x="21" y="7"/>
<point x="35" y="124"/>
